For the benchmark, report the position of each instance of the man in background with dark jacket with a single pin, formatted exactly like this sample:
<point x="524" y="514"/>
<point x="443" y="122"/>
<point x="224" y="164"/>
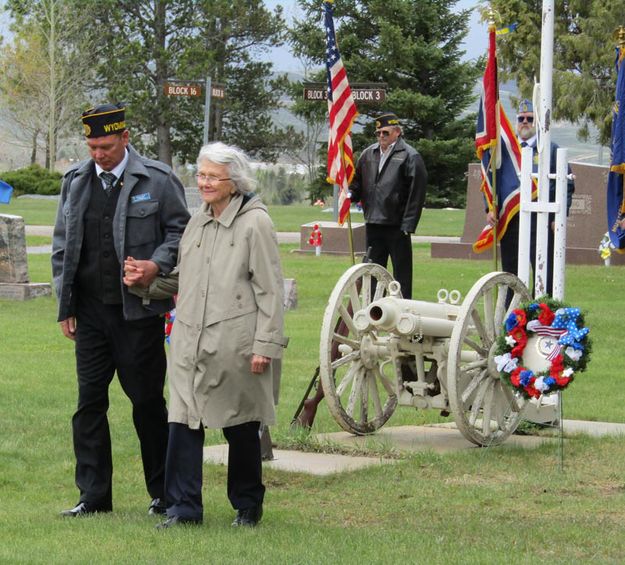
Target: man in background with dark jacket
<point x="115" y="205"/>
<point x="390" y="182"/>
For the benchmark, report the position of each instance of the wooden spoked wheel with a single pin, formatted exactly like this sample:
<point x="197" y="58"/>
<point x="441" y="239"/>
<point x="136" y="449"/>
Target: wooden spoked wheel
<point x="486" y="409"/>
<point x="357" y="373"/>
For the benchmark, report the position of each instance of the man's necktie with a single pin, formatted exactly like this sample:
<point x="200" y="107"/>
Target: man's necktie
<point x="109" y="180"/>
<point x="523" y="143"/>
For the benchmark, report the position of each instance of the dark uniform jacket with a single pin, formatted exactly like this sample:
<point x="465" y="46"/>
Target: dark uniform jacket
<point x="394" y="196"/>
<point x="150" y="217"/>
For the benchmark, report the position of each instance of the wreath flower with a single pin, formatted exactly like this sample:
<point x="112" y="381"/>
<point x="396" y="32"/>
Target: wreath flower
<point x="566" y="346"/>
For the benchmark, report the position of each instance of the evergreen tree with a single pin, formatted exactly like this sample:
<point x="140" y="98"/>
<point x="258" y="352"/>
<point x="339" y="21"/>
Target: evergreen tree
<point x="414" y="47"/>
<point x="583" y="74"/>
<point x="145" y="43"/>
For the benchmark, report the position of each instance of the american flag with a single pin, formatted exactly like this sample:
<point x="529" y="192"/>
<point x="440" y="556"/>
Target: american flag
<point x="495" y="133"/>
<point x="343" y="113"/>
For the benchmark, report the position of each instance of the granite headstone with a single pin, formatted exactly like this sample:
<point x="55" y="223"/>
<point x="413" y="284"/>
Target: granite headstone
<point x="586" y="224"/>
<point x="14" y="281"/>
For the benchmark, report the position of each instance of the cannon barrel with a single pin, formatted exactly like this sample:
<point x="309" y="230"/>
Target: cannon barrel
<point x="408" y="317"/>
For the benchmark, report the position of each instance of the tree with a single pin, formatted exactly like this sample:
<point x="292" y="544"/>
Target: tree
<point x="22" y="98"/>
<point x="46" y="72"/>
<point x="314" y="119"/>
<point x="145" y="43"/>
<point x="414" y="47"/>
<point x="583" y="74"/>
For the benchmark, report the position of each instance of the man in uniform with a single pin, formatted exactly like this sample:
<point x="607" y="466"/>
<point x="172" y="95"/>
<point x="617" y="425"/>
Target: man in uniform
<point x="526" y="132"/>
<point x="115" y="205"/>
<point x="390" y="181"/>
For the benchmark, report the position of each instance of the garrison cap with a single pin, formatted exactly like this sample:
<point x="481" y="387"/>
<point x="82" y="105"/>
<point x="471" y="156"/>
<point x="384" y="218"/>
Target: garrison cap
<point x="385" y="120"/>
<point x="106" y="119"/>
<point x="525" y="106"/>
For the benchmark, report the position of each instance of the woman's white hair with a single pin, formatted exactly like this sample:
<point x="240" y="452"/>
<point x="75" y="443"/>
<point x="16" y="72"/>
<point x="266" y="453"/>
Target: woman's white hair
<point x="235" y="159"/>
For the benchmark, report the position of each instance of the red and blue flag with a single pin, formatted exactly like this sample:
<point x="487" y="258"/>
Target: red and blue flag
<point x="499" y="152"/>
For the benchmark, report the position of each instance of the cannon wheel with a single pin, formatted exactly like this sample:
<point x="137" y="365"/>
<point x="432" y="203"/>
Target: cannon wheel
<point x="360" y="388"/>
<point x="486" y="409"/>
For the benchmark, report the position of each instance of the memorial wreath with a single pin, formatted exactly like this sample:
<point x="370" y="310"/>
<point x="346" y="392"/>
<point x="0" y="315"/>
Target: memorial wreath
<point x="562" y="340"/>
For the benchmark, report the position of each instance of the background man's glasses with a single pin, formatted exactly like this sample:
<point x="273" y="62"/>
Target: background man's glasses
<point x="382" y="133"/>
<point x="201" y="177"/>
<point x="528" y="119"/>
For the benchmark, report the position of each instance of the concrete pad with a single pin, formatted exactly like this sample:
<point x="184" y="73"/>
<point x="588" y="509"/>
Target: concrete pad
<point x="595" y="429"/>
<point x="438" y="438"/>
<point x="443" y="438"/>
<point x="300" y="461"/>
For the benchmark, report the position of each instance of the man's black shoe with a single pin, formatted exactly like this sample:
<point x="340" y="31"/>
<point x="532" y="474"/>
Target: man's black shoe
<point x="157" y="507"/>
<point x="83" y="509"/>
<point x="175" y="521"/>
<point x="248" y="516"/>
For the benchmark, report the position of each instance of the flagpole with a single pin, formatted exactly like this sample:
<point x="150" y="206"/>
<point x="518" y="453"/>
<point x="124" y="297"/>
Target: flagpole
<point x="493" y="29"/>
<point x="350" y="236"/>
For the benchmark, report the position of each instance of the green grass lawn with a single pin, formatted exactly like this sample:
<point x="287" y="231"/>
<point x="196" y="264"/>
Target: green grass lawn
<point x="286" y="218"/>
<point x="501" y="505"/>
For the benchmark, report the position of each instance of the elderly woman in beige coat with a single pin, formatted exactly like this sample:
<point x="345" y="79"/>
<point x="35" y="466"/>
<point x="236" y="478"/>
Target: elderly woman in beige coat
<point x="228" y="331"/>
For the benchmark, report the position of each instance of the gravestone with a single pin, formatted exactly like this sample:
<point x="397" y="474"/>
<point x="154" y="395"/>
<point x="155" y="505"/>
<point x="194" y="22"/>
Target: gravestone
<point x="193" y="198"/>
<point x="14" y="281"/>
<point x="335" y="238"/>
<point x="586" y="223"/>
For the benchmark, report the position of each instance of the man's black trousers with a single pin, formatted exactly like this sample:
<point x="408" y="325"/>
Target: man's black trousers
<point x="106" y="343"/>
<point x="389" y="241"/>
<point x="510" y="251"/>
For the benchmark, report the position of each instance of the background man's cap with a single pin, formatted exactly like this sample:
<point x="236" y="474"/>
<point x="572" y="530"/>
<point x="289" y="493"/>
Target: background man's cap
<point x="386" y="120"/>
<point x="105" y="119"/>
<point x="525" y="106"/>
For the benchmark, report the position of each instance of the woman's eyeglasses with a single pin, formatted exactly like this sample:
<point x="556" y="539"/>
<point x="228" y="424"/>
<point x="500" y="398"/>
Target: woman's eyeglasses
<point x="528" y="119"/>
<point x="201" y="177"/>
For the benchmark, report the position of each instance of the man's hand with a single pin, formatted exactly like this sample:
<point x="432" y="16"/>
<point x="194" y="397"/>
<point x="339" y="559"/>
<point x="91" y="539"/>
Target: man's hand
<point x="259" y="364"/>
<point x="139" y="272"/>
<point x="68" y="328"/>
<point x="491" y="218"/>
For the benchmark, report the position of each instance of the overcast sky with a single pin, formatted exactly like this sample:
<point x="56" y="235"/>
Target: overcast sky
<point x="475" y="43"/>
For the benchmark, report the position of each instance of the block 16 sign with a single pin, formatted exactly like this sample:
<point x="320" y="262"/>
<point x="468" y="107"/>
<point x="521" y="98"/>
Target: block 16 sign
<point x="192" y="89"/>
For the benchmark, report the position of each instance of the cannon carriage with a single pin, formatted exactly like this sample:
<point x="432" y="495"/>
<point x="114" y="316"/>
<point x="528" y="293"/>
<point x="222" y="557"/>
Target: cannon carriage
<point x="379" y="351"/>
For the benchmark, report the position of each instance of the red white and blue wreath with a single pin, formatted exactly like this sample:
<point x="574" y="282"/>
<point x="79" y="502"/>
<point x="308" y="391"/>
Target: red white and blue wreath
<point x="552" y="338"/>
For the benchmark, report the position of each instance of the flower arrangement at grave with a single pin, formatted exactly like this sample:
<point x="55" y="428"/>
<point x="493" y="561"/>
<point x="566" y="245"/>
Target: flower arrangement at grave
<point x="605" y="248"/>
<point x="170" y="317"/>
<point x="316" y="239"/>
<point x="549" y="331"/>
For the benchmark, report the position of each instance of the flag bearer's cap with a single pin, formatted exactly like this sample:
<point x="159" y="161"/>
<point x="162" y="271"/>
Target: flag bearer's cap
<point x="525" y="107"/>
<point x="105" y="119"/>
<point x="386" y="120"/>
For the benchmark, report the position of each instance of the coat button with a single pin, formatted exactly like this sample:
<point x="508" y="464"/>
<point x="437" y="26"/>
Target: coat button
<point x="142" y="213"/>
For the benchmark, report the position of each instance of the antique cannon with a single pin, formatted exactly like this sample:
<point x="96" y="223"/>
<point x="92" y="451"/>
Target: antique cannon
<point x="379" y="351"/>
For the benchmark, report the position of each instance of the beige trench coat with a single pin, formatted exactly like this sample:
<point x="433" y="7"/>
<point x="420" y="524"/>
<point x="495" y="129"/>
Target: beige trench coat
<point x="229" y="306"/>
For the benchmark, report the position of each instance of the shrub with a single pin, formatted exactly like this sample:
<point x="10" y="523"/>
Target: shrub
<point x="33" y="180"/>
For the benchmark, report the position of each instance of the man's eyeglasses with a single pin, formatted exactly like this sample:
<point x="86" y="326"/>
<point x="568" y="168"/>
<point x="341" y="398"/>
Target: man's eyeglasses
<point x="211" y="179"/>
<point x="528" y="119"/>
<point x="383" y="133"/>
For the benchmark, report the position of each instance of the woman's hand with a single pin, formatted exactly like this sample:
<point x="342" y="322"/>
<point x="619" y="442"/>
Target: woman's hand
<point x="260" y="364"/>
<point x="139" y="272"/>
